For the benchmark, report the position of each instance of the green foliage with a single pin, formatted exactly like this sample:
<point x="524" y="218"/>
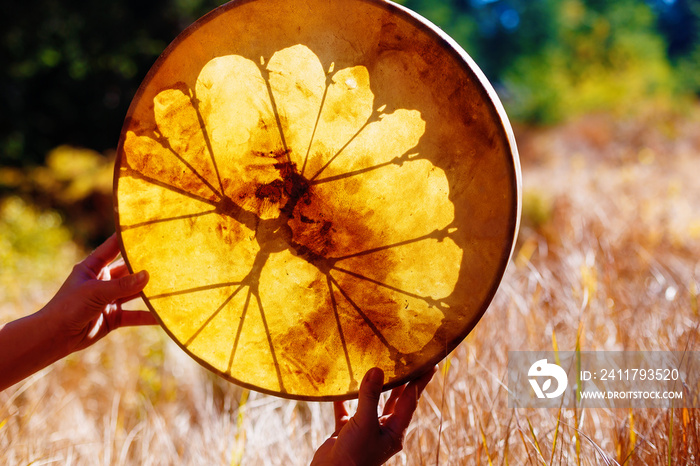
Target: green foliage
<point x="604" y="59"/>
<point x="70" y="69"/>
<point x="74" y="181"/>
<point x="688" y="71"/>
<point x="687" y="61"/>
<point x="35" y="251"/>
<point x="554" y="59"/>
<point x="28" y="232"/>
<point x="72" y="174"/>
<point x="450" y="16"/>
<point x="537" y="209"/>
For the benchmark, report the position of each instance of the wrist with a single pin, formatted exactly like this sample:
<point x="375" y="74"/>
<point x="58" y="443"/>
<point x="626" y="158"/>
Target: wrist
<point x="51" y="336"/>
<point x="27" y="345"/>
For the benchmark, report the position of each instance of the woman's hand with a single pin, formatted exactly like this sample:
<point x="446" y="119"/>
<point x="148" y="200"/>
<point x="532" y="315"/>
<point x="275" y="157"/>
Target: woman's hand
<point x="89" y="304"/>
<point x="365" y="438"/>
<point x="86" y="308"/>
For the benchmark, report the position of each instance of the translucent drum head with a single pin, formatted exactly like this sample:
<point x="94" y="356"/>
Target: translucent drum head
<point x="316" y="188"/>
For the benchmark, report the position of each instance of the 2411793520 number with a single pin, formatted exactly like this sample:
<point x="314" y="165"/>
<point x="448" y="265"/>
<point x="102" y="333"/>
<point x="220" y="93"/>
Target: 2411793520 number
<point x="639" y="374"/>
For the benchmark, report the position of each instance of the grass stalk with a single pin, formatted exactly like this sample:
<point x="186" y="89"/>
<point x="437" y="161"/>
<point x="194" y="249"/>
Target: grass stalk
<point x="240" y="437"/>
<point x="537" y="443"/>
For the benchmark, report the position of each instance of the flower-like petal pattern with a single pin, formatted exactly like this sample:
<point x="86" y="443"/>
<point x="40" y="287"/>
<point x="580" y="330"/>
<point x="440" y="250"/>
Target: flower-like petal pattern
<point x="295" y="237"/>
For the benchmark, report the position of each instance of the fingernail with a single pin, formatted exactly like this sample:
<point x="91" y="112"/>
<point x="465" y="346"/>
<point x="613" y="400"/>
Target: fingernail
<point x="376" y="376"/>
<point x="141" y="277"/>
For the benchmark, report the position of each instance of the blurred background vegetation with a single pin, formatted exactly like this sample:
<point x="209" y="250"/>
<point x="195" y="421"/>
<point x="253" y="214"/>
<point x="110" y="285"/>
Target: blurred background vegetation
<point x="603" y="95"/>
<point x="70" y="69"/>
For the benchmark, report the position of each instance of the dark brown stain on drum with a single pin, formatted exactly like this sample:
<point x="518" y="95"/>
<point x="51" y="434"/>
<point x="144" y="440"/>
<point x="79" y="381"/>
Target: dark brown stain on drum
<point x="308" y="228"/>
<point x="353" y="287"/>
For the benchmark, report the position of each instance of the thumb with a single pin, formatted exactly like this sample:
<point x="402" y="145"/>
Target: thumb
<point x="108" y="291"/>
<point x="370" y="390"/>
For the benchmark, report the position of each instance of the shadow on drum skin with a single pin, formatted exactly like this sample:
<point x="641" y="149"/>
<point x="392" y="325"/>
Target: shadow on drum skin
<point x="306" y="226"/>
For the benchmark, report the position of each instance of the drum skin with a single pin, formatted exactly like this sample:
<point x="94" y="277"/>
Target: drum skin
<point x="316" y="188"/>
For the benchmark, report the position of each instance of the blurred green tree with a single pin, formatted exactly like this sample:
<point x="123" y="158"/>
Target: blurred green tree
<point x="69" y="69"/>
<point x="551" y="59"/>
<point x="603" y="56"/>
<point x="680" y="22"/>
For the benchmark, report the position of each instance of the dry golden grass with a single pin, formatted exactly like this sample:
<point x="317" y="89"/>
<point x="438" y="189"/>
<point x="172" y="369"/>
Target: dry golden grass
<point x="607" y="257"/>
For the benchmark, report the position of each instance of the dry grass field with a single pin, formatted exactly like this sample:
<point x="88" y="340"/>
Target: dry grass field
<point x="607" y="258"/>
